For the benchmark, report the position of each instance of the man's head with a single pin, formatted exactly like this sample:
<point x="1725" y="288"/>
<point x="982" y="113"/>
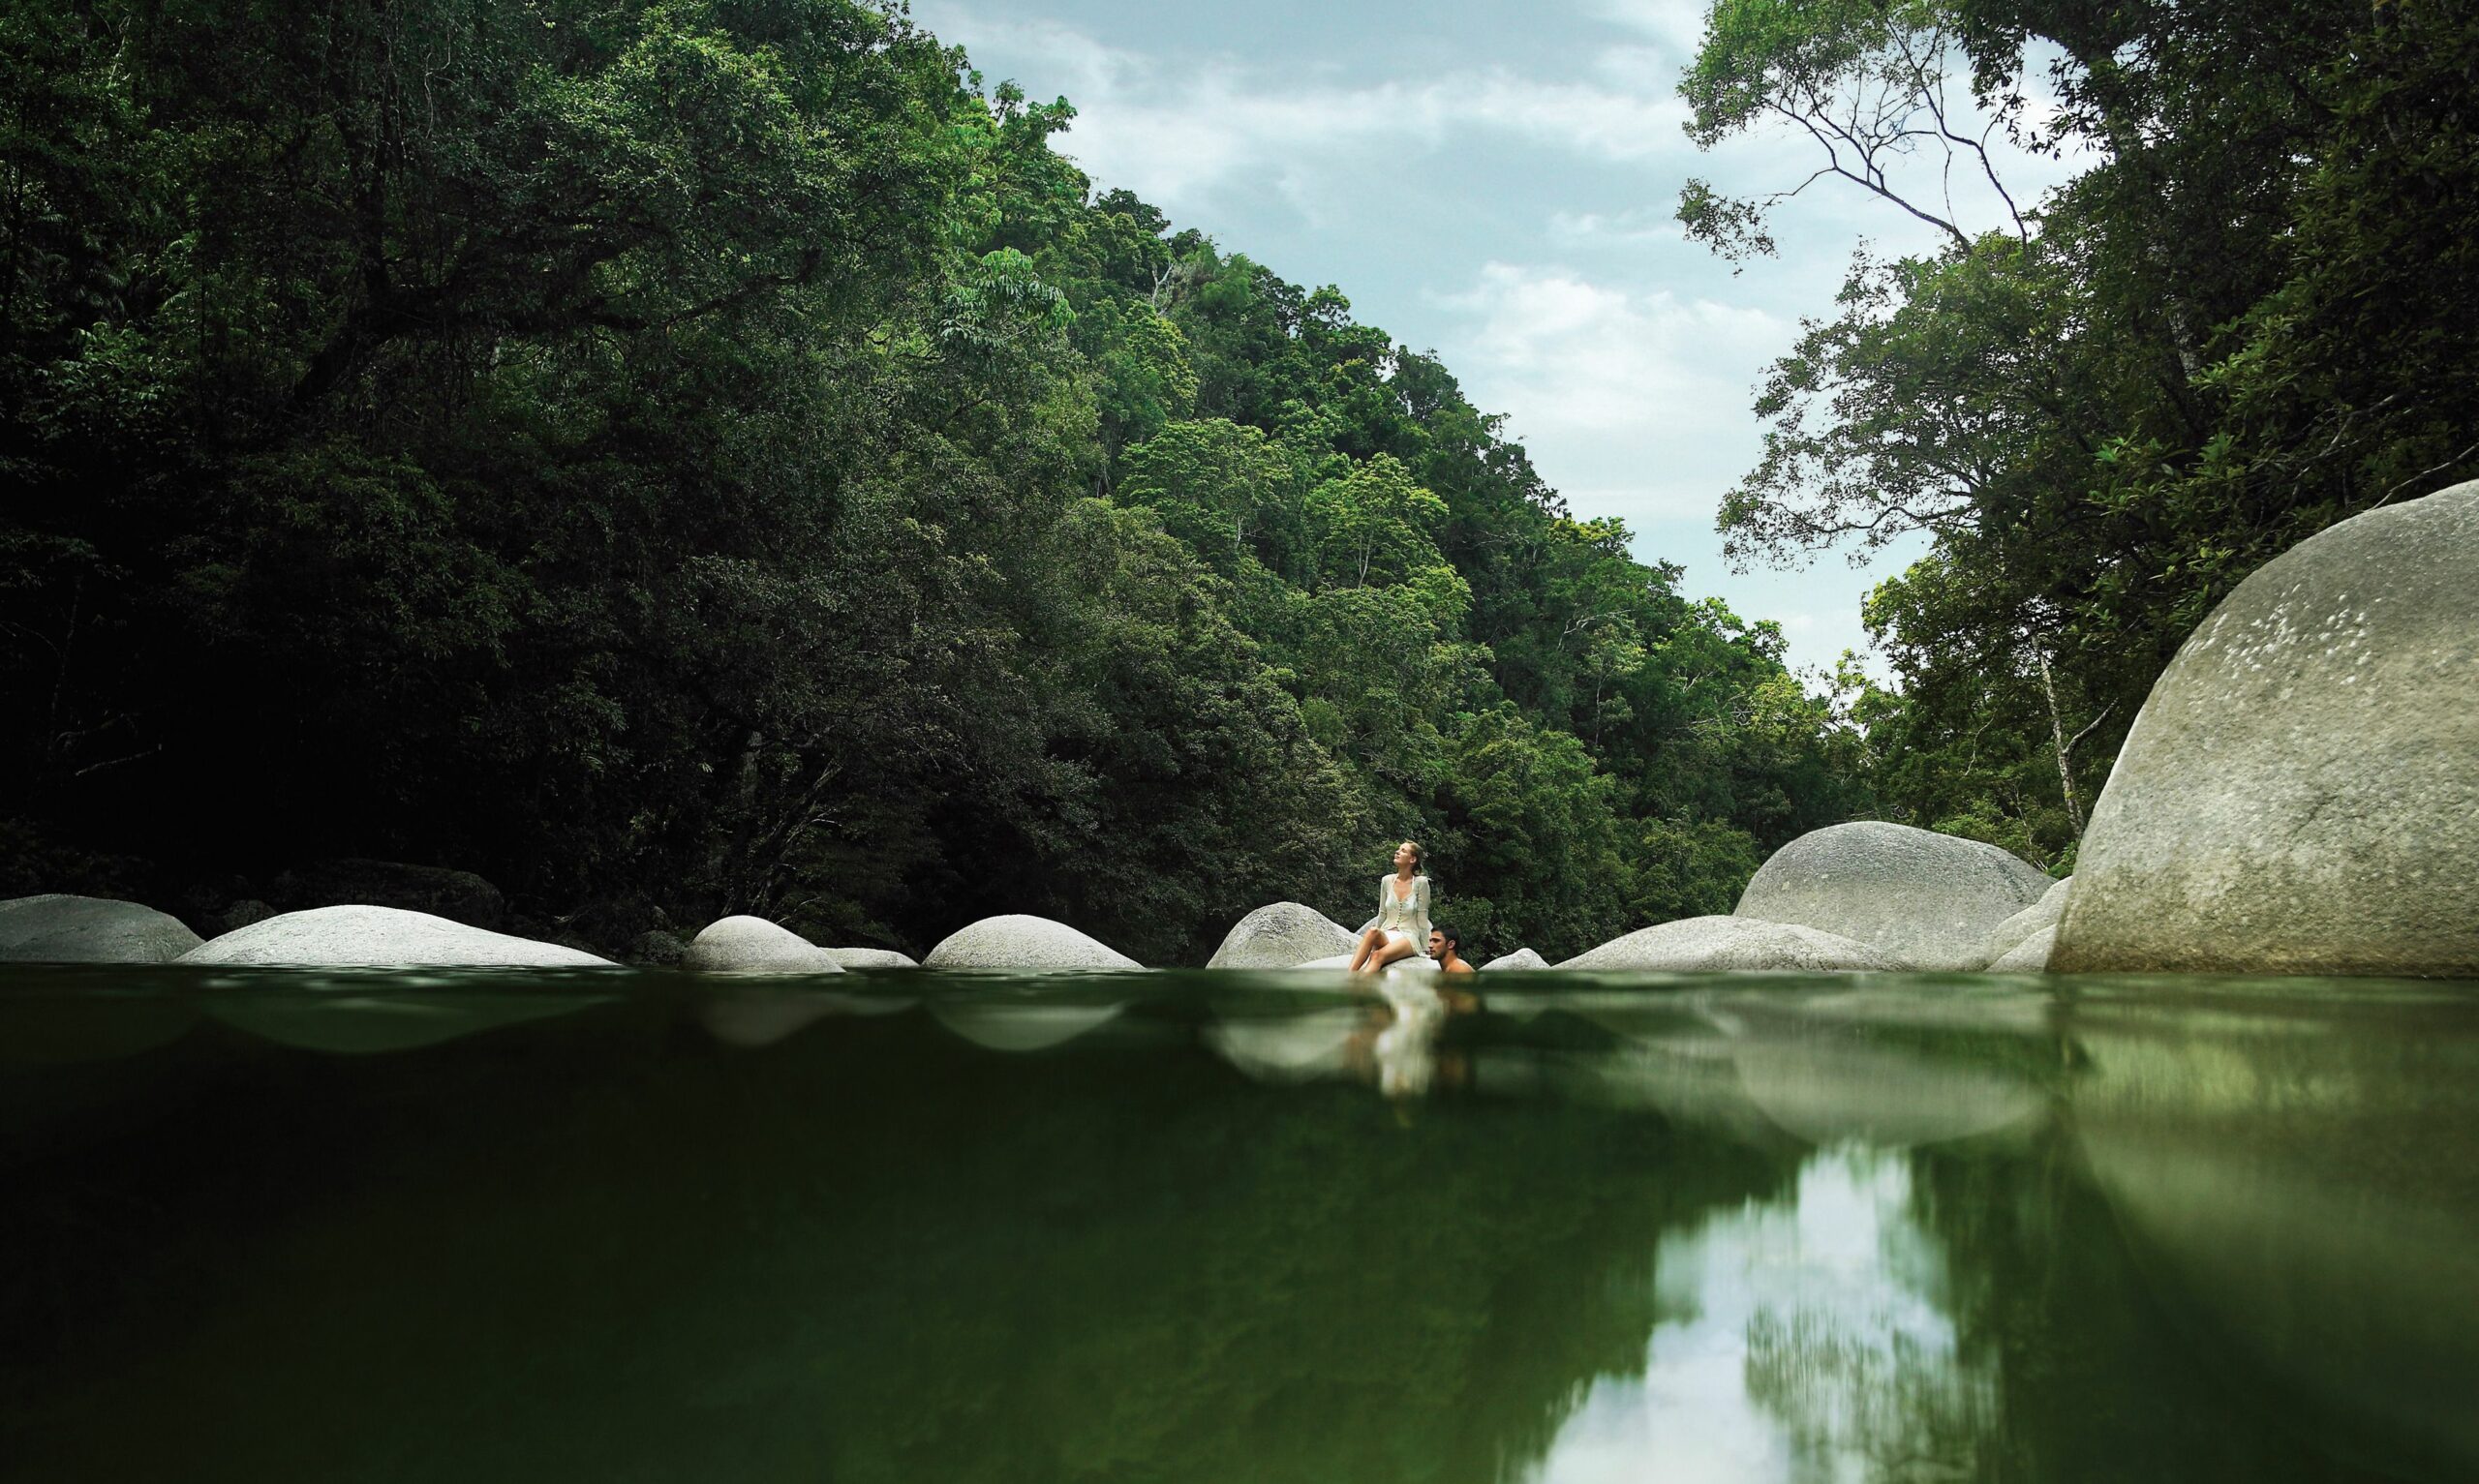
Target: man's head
<point x="1442" y="944"/>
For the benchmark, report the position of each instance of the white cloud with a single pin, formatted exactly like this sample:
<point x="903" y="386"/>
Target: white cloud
<point x="1173" y="132"/>
<point x="1564" y="355"/>
<point x="1675" y="26"/>
<point x="1638" y="226"/>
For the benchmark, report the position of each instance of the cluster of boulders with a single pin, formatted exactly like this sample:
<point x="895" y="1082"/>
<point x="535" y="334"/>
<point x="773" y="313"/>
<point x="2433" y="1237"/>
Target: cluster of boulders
<point x="58" y="928"/>
<point x="2300" y="794"/>
<point x="1867" y="895"/>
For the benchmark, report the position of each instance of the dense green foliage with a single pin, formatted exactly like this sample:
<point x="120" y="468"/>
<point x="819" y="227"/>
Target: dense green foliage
<point x="2250" y="317"/>
<point x="702" y="457"/>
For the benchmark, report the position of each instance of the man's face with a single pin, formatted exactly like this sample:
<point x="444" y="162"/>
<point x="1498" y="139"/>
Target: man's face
<point x="1437" y="944"/>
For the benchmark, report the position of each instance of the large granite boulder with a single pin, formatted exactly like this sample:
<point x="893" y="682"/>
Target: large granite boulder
<point x="1017" y="941"/>
<point x="58" y="928"/>
<point x="2028" y="956"/>
<point x="1703" y="944"/>
<point x="753" y="945"/>
<point x="2300" y="794"/>
<point x="1521" y="958"/>
<point x="1279" y="937"/>
<point x="2035" y="919"/>
<point x="460" y="897"/>
<point x="380" y="937"/>
<point x="873" y="958"/>
<point x="1923" y="900"/>
<point x="655" y="949"/>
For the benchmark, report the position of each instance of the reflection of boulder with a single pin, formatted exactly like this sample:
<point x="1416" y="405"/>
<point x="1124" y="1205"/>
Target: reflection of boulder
<point x="353" y="1024"/>
<point x="1521" y="958"/>
<point x="899" y="1259"/>
<point x="1018" y="942"/>
<point x="77" y="1024"/>
<point x="2300" y="794"/>
<point x="2304" y="1188"/>
<point x="1705" y="943"/>
<point x="380" y="937"/>
<point x="1924" y="900"/>
<point x="762" y="1016"/>
<point x="2008" y="936"/>
<point x="58" y="928"/>
<point x="1016" y="1025"/>
<point x="753" y="945"/>
<point x="1289" y="1047"/>
<point x="1279" y="937"/>
<point x="1828" y="1090"/>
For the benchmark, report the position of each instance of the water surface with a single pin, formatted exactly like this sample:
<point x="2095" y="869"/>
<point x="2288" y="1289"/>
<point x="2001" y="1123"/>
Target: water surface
<point x="903" y="1227"/>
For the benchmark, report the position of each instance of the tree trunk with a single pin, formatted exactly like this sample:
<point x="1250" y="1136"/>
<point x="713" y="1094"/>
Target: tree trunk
<point x="2064" y="748"/>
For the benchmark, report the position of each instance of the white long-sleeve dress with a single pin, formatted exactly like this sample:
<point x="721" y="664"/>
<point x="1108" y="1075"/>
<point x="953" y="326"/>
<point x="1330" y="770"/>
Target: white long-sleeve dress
<point x="1407" y="916"/>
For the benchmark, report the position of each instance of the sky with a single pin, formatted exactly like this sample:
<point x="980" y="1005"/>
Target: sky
<point x="1494" y="183"/>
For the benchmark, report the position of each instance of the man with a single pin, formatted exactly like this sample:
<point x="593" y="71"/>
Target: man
<point x="1446" y="951"/>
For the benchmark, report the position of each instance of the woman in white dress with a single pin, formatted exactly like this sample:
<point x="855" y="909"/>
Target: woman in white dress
<point x="1402" y="925"/>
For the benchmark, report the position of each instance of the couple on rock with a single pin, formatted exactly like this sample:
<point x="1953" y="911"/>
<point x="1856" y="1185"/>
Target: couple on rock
<point x="1403" y="926"/>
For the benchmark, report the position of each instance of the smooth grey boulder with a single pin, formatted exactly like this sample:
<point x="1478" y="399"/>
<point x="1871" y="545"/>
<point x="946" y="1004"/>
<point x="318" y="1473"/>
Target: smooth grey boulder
<point x="380" y="937"/>
<point x="2300" y="793"/>
<point x="2008" y="935"/>
<point x="1017" y="941"/>
<point x="1280" y="936"/>
<point x="753" y="945"/>
<point x="873" y="958"/>
<point x="1521" y="958"/>
<point x="2028" y="956"/>
<point x="1923" y="900"/>
<point x="656" y="949"/>
<point x="59" y="929"/>
<point x="1703" y="944"/>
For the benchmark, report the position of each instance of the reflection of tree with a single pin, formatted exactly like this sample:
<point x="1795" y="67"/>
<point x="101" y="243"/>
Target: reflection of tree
<point x="864" y="1254"/>
<point x="2094" y="1381"/>
<point x="1901" y="1407"/>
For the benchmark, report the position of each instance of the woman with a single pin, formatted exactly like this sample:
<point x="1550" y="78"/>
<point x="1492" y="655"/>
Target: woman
<point x="1402" y="925"/>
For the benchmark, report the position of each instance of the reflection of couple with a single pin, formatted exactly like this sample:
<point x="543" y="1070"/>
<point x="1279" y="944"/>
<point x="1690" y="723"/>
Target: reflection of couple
<point x="1402" y="927"/>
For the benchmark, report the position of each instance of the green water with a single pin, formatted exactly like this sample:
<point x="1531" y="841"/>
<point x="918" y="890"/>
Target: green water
<point x="623" y="1227"/>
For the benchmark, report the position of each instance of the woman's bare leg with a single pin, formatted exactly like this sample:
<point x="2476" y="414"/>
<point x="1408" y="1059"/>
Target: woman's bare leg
<point x="1391" y="951"/>
<point x="1368" y="943"/>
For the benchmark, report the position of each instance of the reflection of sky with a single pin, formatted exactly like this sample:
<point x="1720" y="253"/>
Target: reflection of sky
<point x="1806" y="1338"/>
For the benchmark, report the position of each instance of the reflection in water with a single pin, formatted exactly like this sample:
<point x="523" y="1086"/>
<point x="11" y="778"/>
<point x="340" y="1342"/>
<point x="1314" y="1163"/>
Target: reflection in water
<point x="1149" y="1228"/>
<point x="2301" y="1180"/>
<point x="1804" y="1339"/>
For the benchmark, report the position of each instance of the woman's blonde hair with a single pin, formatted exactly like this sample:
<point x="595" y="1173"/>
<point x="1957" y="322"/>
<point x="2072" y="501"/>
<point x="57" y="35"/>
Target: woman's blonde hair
<point x="1420" y="857"/>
